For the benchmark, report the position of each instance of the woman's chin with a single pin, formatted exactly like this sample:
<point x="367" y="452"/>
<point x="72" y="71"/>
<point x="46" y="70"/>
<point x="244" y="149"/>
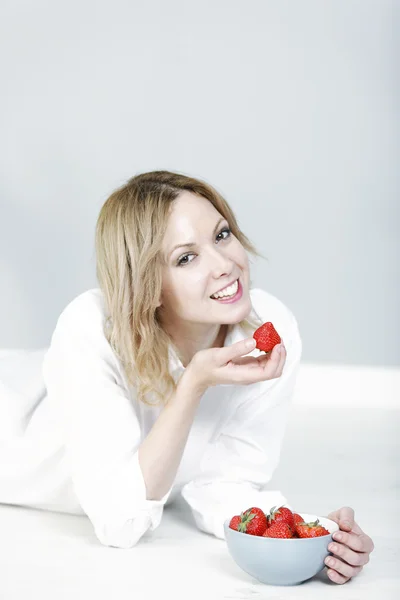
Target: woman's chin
<point x="243" y="310"/>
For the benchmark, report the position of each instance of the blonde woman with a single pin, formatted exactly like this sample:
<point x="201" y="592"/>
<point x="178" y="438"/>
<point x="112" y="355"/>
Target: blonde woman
<point x="152" y="385"/>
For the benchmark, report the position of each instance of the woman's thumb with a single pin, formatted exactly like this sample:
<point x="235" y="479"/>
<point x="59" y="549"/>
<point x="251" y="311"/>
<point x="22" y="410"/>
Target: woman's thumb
<point x="238" y="349"/>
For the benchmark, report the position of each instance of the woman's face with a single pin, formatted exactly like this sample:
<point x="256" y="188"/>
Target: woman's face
<point x="192" y="274"/>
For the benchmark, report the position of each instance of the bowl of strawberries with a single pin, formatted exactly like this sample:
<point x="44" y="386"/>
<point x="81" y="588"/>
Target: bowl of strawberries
<point x="280" y="547"/>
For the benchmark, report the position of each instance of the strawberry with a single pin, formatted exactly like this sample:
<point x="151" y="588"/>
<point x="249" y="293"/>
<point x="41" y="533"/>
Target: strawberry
<point x="279" y="529"/>
<point x="266" y="337"/>
<point x="234" y="522"/>
<point x="280" y="514"/>
<point x="252" y="521"/>
<point x="310" y="530"/>
<point x="297" y="518"/>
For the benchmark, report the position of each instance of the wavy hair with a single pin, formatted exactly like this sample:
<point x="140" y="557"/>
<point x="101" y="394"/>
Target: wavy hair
<point x="129" y="234"/>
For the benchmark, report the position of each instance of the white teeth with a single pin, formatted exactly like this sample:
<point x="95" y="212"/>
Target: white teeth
<point x="227" y="292"/>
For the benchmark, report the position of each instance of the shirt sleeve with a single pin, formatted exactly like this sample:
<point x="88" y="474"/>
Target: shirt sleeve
<point x="243" y="457"/>
<point x="101" y="430"/>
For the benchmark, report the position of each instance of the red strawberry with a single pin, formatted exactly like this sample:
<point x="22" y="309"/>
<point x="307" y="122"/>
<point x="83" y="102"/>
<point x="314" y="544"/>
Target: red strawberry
<point x="297" y="518"/>
<point x="234" y="522"/>
<point x="280" y="529"/>
<point x="310" y="530"/>
<point x="266" y="337"/>
<point x="282" y="513"/>
<point x="252" y="521"/>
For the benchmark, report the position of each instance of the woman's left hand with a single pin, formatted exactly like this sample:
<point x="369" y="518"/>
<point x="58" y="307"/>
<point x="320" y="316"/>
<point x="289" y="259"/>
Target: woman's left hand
<point x="351" y="547"/>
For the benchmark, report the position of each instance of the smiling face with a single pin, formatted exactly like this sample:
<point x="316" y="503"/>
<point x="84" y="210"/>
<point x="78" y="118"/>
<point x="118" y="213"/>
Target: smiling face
<point x="192" y="274"/>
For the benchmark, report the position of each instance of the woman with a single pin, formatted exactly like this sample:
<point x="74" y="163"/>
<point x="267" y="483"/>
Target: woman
<point x="152" y="384"/>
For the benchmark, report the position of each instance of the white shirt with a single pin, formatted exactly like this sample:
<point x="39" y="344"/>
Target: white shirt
<point x="70" y="428"/>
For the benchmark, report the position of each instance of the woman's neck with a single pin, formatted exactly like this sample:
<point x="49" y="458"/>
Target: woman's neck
<point x="188" y="346"/>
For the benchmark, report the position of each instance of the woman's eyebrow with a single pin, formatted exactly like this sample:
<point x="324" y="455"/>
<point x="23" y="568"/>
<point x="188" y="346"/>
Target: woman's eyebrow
<point x="191" y="244"/>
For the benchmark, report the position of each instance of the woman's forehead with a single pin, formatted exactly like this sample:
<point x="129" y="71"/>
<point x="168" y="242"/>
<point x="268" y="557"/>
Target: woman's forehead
<point x="189" y="222"/>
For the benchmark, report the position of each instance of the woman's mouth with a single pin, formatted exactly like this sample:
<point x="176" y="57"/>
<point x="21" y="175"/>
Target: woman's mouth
<point x="231" y="294"/>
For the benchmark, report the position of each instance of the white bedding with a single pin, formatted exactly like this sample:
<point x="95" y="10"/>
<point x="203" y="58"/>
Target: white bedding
<point x="356" y="453"/>
<point x="351" y="439"/>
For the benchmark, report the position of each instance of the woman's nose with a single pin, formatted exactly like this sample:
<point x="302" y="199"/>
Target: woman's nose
<point x="220" y="263"/>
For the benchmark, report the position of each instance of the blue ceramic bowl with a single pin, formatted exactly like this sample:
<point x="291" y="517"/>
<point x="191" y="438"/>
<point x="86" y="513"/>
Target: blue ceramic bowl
<point x="278" y="561"/>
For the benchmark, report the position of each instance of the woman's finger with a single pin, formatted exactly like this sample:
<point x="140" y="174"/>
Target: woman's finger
<point x="357" y="542"/>
<point x="256" y="361"/>
<point x="245" y="360"/>
<point x="269" y="368"/>
<point x="336" y="577"/>
<point x="345" y="554"/>
<point x="273" y="366"/>
<point x="343" y="568"/>
<point x="263" y="359"/>
<point x="228" y="354"/>
<point x="281" y="361"/>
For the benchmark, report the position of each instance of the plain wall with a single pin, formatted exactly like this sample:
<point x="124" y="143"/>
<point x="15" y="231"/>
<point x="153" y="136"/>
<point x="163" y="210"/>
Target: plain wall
<point x="290" y="109"/>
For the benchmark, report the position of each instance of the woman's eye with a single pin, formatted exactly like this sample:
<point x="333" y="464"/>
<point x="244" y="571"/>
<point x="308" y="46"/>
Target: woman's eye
<point x="225" y="229"/>
<point x="180" y="260"/>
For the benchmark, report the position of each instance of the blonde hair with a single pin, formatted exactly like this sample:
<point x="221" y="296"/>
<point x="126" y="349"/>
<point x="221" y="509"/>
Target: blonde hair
<point x="129" y="234"/>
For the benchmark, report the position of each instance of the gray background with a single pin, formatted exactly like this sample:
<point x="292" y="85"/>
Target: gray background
<point x="290" y="109"/>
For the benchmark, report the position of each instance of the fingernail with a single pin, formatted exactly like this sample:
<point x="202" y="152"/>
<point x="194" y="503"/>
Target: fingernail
<point x="250" y="343"/>
<point x="337" y="536"/>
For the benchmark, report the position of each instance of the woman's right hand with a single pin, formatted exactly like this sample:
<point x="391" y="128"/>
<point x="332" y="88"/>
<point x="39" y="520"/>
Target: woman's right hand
<point x="228" y="365"/>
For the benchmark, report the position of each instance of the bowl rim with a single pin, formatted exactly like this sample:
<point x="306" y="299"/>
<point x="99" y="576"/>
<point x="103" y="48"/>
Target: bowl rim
<point x="333" y="527"/>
